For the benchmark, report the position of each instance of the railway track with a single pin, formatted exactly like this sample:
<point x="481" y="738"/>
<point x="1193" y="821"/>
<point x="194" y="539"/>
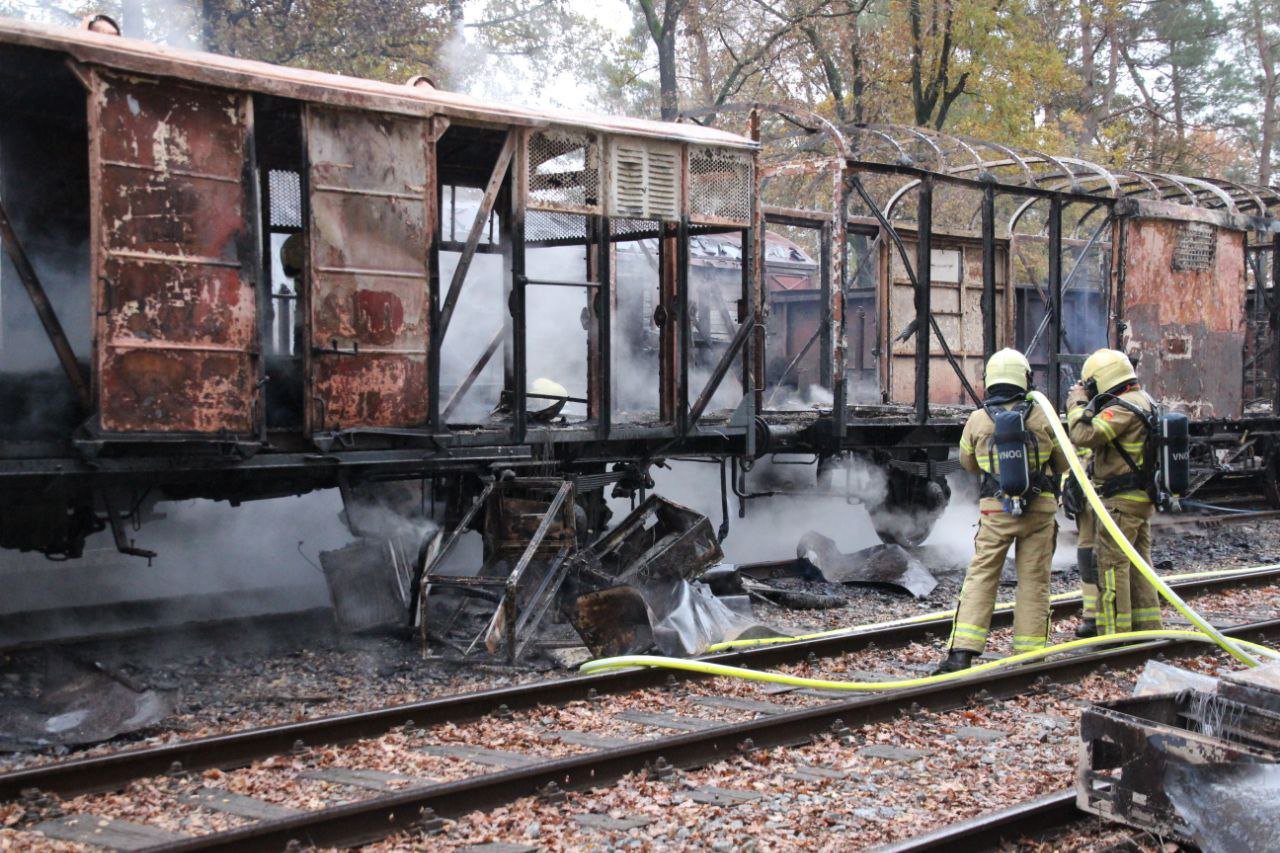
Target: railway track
<point x="1041" y="816"/>
<point x="606" y="758"/>
<point x="1214" y="520"/>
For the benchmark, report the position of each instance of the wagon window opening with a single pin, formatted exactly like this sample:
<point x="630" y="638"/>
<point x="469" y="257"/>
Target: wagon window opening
<point x="1086" y="287"/>
<point x="1257" y="376"/>
<point x="476" y="354"/>
<point x="639" y="315"/>
<point x="44" y="187"/>
<point x="861" y="316"/>
<point x="281" y="164"/>
<point x="559" y="316"/>
<point x="477" y="336"/>
<point x="794" y="310"/>
<point x="716" y="302"/>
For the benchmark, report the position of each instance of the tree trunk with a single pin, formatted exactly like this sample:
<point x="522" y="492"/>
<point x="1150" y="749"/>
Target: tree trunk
<point x="1270" y="93"/>
<point x="668" y="82"/>
<point x="920" y="101"/>
<point x="702" y="53"/>
<point x="859" y="73"/>
<point x="1088" y="73"/>
<point x="830" y="71"/>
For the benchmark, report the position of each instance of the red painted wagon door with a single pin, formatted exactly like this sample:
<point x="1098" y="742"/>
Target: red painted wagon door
<point x="369" y="236"/>
<point x="174" y="258"/>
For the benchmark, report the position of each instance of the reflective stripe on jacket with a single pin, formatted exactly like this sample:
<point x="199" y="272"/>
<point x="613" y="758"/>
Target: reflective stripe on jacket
<point x="1114" y="425"/>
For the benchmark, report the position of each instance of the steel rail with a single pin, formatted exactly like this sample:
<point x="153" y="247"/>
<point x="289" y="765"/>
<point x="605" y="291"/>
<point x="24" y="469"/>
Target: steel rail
<point x="986" y="831"/>
<point x="238" y="749"/>
<point x="365" y="821"/>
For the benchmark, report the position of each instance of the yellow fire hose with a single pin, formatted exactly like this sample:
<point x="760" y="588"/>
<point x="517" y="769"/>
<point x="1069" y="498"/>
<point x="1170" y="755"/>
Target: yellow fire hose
<point x="1122" y="541"/>
<point x="1206" y="633"/>
<point x="946" y="614"/>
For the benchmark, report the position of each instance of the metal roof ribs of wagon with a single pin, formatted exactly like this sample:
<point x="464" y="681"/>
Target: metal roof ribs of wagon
<point x="922" y="150"/>
<point x="141" y="57"/>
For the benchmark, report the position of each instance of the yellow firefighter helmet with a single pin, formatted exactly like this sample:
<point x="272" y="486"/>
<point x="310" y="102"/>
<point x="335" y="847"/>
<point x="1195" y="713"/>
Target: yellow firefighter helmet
<point x="1008" y="367"/>
<point x="546" y="398"/>
<point x="1106" y="369"/>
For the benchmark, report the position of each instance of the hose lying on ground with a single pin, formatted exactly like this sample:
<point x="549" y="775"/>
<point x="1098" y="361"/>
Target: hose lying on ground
<point x="1207" y="633"/>
<point x="710" y="668"/>
<point x="947" y="614"/>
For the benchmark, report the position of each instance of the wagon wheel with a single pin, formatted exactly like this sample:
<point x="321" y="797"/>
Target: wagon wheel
<point x="910" y="510"/>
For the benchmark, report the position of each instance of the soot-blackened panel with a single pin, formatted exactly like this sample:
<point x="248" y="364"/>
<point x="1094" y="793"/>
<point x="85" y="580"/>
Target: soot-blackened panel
<point x="173" y="257"/>
<point x="370" y="232"/>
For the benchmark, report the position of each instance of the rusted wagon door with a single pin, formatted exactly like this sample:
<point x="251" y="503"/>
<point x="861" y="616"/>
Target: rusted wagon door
<point x="174" y="257"/>
<point x="370" y="193"/>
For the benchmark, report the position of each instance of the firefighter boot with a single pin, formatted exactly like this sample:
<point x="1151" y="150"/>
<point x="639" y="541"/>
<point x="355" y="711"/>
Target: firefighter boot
<point x="1087" y="628"/>
<point x="956" y="660"/>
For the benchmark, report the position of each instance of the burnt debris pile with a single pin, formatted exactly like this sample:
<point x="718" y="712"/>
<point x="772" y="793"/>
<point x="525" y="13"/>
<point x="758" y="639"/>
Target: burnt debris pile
<point x="534" y="591"/>
<point x="1188" y="757"/>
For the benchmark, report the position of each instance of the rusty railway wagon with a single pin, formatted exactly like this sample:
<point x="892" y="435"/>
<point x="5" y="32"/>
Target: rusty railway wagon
<point x="230" y="280"/>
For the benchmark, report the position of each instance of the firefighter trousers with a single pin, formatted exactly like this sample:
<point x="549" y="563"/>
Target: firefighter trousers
<point x="1087" y="563"/>
<point x="1126" y="600"/>
<point x="1035" y="535"/>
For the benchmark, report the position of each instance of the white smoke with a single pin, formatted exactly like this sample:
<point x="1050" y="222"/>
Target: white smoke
<point x="536" y="75"/>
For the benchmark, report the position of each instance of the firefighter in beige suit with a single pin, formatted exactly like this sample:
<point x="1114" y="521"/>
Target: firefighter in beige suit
<point x="1028" y="519"/>
<point x="1108" y="413"/>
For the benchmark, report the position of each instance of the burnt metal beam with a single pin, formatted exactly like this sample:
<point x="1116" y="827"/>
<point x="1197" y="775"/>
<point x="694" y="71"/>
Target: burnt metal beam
<point x="668" y="326"/>
<point x="686" y="324"/>
<point x="749" y="315"/>
<point x="923" y="294"/>
<point x="989" y="272"/>
<point x="423" y="570"/>
<point x="483" y="213"/>
<point x="481" y="363"/>
<point x="826" y="298"/>
<point x="1275" y="322"/>
<point x="516" y="374"/>
<point x="435" y="223"/>
<point x="503" y="625"/>
<point x="1115" y="300"/>
<point x="601" y="270"/>
<point x="839" y="302"/>
<point x="718" y="375"/>
<point x="44" y="310"/>
<point x="1055" y="300"/>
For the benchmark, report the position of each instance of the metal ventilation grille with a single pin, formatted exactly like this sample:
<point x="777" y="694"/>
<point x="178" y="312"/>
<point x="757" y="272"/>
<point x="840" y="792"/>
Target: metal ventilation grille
<point x="285" y="191"/>
<point x="719" y="186"/>
<point x="634" y="229"/>
<point x="1197" y="244"/>
<point x="645" y="180"/>
<point x="564" y="171"/>
<point x="561" y="228"/>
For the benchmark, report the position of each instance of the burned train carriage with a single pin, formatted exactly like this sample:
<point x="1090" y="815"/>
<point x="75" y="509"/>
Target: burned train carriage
<point x="248" y="290"/>
<point x="231" y="280"/>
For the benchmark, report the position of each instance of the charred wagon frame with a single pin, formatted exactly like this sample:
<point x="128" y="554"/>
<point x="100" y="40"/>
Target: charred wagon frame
<point x="443" y="247"/>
